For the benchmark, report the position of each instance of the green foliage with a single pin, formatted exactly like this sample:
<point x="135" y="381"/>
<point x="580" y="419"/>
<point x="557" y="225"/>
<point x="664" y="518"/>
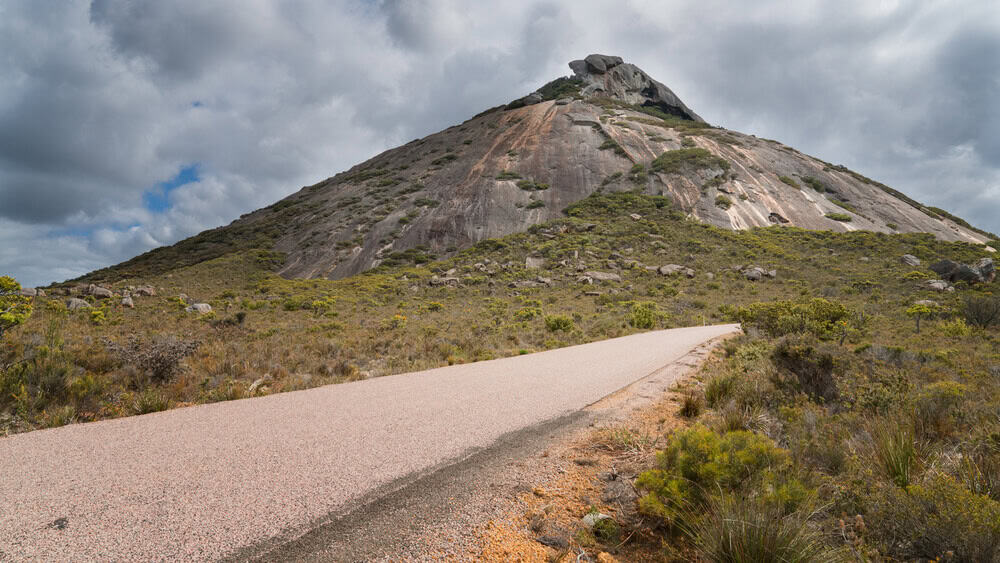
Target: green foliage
<point x="14" y="308"/>
<point x="937" y="408"/>
<point x="719" y="388"/>
<point x="426" y="202"/>
<point x="508" y="175"/>
<point x="812" y="368"/>
<point x="527" y="313"/>
<point x="938" y="519"/>
<point x="894" y="450"/>
<point x="609" y="144"/>
<point x="814" y="183"/>
<point x="645" y="314"/>
<point x="690" y="159"/>
<point x="842" y="217"/>
<point x="558" y="322"/>
<point x="723" y="202"/>
<point x="699" y="462"/>
<point x="535" y="204"/>
<point x="530" y="186"/>
<point x="982" y="311"/>
<point x="790" y="181"/>
<point x="738" y="529"/>
<point x="444" y="159"/>
<point x="820" y="317"/>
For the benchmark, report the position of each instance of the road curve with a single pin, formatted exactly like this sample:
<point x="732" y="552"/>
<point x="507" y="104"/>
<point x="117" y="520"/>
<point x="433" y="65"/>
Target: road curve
<point x="204" y="482"/>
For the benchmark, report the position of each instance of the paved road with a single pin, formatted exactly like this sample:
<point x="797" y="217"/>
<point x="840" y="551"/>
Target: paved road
<point x="204" y="482"/>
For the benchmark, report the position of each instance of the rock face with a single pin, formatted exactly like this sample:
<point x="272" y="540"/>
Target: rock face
<point x="604" y="75"/>
<point x="910" y="260"/>
<point x="484" y="178"/>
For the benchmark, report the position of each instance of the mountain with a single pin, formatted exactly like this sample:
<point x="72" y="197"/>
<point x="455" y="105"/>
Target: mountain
<point x="608" y="127"/>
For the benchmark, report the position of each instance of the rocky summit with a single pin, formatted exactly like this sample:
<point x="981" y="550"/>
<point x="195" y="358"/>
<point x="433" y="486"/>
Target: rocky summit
<point x="607" y="127"/>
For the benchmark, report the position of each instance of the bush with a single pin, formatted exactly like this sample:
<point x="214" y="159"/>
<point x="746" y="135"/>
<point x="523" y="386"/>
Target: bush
<point x="790" y="181"/>
<point x="813" y="369"/>
<point x="719" y="388"/>
<point x="688" y="159"/>
<point x="644" y="315"/>
<point x="698" y="462"/>
<point x="723" y="202"/>
<point x="842" y="217"/>
<point x="741" y="529"/>
<point x="931" y="519"/>
<point x="820" y="317"/>
<point x="983" y="312"/>
<point x="14" y="308"/>
<point x="159" y="359"/>
<point x="558" y="322"/>
<point x="894" y="450"/>
<point x="691" y="405"/>
<point x="814" y="183"/>
<point x="936" y="408"/>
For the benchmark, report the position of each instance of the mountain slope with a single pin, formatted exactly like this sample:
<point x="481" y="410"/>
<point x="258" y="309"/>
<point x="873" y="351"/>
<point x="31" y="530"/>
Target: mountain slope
<point x="609" y="127"/>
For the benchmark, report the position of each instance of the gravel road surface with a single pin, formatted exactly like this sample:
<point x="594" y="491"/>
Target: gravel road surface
<point x="210" y="481"/>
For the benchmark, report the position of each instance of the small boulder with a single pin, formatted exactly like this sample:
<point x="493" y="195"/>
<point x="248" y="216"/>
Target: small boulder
<point x="200" y="308"/>
<point x="75" y="304"/>
<point x="635" y="216"/>
<point x="591" y="519"/>
<point x="986" y="269"/>
<point x="671" y="269"/>
<point x="145" y="290"/>
<point x="927" y="303"/>
<point x="29" y="292"/>
<point x="532" y="99"/>
<point x="939" y="285"/>
<point x="40" y="292"/>
<point x="102" y="293"/>
<point x="258" y="383"/>
<point x="553" y="541"/>
<point x="603" y="276"/>
<point x="534" y="263"/>
<point x="127" y="302"/>
<point x="910" y="260"/>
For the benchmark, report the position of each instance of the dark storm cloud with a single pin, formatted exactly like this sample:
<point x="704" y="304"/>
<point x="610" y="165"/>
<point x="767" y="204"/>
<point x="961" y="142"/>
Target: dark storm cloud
<point x="102" y="102"/>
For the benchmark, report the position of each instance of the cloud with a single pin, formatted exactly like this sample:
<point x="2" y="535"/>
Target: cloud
<point x="103" y="102"/>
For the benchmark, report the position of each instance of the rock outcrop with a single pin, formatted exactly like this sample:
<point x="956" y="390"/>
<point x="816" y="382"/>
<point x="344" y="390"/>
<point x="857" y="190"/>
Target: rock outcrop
<point x="605" y="75"/>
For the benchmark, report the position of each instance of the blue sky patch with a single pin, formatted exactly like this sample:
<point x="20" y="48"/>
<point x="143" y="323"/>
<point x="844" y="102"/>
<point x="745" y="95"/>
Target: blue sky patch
<point x="157" y="199"/>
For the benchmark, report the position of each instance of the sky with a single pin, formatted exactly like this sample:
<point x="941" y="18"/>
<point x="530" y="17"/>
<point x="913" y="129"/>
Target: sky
<point x="130" y="124"/>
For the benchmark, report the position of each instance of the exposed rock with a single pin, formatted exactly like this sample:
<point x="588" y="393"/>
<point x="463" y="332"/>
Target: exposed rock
<point x="635" y="216"/>
<point x="40" y="292"/>
<point x="29" y="292"/>
<point x="101" y="292"/>
<point x="258" y="383"/>
<point x="603" y="276"/>
<point x="75" y="304"/>
<point x="524" y="283"/>
<point x="989" y="249"/>
<point x="940" y="285"/>
<point x="949" y="270"/>
<point x="927" y="303"/>
<point x="756" y="273"/>
<point x="910" y="260"/>
<point x="592" y="518"/>
<point x="553" y="541"/>
<point x="986" y="269"/>
<point x="534" y="263"/>
<point x="436" y="281"/>
<point x="127" y="302"/>
<point x="671" y="269"/>
<point x="776" y="218"/>
<point x="200" y="308"/>
<point x="542" y="280"/>
<point x="627" y="82"/>
<point x="710" y="275"/>
<point x="146" y="290"/>
<point x="592" y="293"/>
<point x="563" y="101"/>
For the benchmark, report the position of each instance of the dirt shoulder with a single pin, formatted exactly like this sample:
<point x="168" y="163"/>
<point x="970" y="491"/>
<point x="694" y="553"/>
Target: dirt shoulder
<point x="506" y="502"/>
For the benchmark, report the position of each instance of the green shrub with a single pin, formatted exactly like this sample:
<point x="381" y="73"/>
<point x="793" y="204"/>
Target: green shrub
<point x="937" y="407"/>
<point x="527" y="313"/>
<point x="508" y="175"/>
<point x="689" y="159"/>
<point x="790" y="181"/>
<point x="738" y="529"/>
<point x="820" y="317"/>
<point x="814" y="183"/>
<point x="558" y="322"/>
<point x="644" y="314"/>
<point x="938" y="520"/>
<point x="535" y="204"/>
<point x="812" y="368"/>
<point x="842" y="217"/>
<point x="691" y="405"/>
<point x="982" y="311"/>
<point x="723" y="202"/>
<point x="894" y="450"/>
<point x="149" y="400"/>
<point x="14" y="308"/>
<point x="699" y="462"/>
<point x="720" y="388"/>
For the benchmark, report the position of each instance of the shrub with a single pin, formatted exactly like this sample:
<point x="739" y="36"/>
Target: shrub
<point x="723" y="202"/>
<point x="149" y="401"/>
<point x="983" y="312"/>
<point x="159" y="358"/>
<point x="820" y="317"/>
<point x="936" y="408"/>
<point x="508" y="175"/>
<point x="698" y="462"/>
<point x="691" y="405"/>
<point x="527" y="313"/>
<point x="535" y="204"/>
<point x="813" y="369"/>
<point x="644" y="315"/>
<point x="558" y="322"/>
<point x="842" y="217"/>
<point x="688" y="159"/>
<point x="894" y="450"/>
<point x="790" y="181"/>
<point x="719" y="388"/>
<point x="14" y="308"/>
<point x="741" y="529"/>
<point x="814" y="183"/>
<point x="931" y="519"/>
<point x="955" y="328"/>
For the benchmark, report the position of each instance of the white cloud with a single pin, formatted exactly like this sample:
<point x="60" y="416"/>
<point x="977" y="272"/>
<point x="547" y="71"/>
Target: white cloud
<point x="102" y="101"/>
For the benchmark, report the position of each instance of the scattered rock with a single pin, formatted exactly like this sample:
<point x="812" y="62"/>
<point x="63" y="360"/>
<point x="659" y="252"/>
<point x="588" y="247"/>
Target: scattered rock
<point x="127" y="302"/>
<point x="257" y="384"/>
<point x="145" y="290"/>
<point x="29" y="292"/>
<point x="200" y="308"/>
<point x="40" y="292"/>
<point x="603" y="276"/>
<point x="436" y="281"/>
<point x="671" y="269"/>
<point x="75" y="304"/>
<point x="910" y="260"/>
<point x="989" y="249"/>
<point x="546" y="281"/>
<point x="618" y="491"/>
<point x="951" y="271"/>
<point x="635" y="216"/>
<point x="710" y="275"/>
<point x="534" y="263"/>
<point x="776" y="218"/>
<point x="524" y="283"/>
<point x="101" y="292"/>
<point x="940" y="285"/>
<point x="591" y="519"/>
<point x="927" y="303"/>
<point x="865" y="259"/>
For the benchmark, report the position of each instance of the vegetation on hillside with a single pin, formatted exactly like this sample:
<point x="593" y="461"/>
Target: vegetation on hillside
<point x="857" y="434"/>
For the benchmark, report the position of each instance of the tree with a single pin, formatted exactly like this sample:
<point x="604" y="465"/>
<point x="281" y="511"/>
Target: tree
<point x="918" y="310"/>
<point x="14" y="307"/>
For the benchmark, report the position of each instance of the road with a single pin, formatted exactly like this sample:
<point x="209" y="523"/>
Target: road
<point x="210" y="481"/>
